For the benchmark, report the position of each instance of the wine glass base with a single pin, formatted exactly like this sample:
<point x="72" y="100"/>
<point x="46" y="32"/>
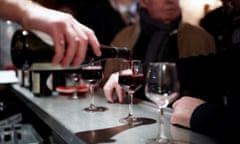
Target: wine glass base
<point x="159" y="141"/>
<point x="74" y="98"/>
<point x="130" y="120"/>
<point x="96" y="109"/>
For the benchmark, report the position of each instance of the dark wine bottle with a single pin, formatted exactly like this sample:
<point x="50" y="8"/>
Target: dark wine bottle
<point x="28" y="47"/>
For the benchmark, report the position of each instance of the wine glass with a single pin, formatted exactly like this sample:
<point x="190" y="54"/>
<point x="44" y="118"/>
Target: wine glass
<point x="92" y="74"/>
<point x="162" y="87"/>
<point x="75" y="77"/>
<point x="130" y="79"/>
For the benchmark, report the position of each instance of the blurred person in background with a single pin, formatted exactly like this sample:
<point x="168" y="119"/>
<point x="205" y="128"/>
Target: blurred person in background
<point x="158" y="20"/>
<point x="192" y="39"/>
<point x="163" y="37"/>
<point x="63" y="27"/>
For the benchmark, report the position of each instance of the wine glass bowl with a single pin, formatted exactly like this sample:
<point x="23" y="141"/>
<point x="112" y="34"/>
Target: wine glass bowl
<point x="131" y="82"/>
<point x="162" y="88"/>
<point x="92" y="74"/>
<point x="130" y="79"/>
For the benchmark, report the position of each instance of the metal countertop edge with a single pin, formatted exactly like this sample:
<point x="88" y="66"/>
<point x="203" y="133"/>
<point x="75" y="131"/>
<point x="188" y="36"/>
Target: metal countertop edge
<point x="56" y="126"/>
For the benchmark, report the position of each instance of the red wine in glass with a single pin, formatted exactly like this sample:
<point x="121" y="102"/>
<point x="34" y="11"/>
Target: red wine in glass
<point x="92" y="73"/>
<point x="131" y="82"/>
<point x="130" y="79"/>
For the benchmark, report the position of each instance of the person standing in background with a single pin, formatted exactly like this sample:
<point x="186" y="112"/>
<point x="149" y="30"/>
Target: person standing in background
<point x="164" y="37"/>
<point x="192" y="39"/>
<point x="64" y="29"/>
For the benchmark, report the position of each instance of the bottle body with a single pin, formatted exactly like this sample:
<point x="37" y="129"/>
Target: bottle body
<point x="27" y="48"/>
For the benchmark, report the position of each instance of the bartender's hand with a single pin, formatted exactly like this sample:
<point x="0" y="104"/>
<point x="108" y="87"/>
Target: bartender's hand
<point x="65" y="31"/>
<point x="110" y="86"/>
<point x="183" y="110"/>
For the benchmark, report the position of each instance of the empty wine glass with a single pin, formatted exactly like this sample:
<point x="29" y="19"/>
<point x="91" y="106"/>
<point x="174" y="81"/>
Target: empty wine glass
<point x="75" y="77"/>
<point x="92" y="74"/>
<point x="162" y="87"/>
<point x="130" y="79"/>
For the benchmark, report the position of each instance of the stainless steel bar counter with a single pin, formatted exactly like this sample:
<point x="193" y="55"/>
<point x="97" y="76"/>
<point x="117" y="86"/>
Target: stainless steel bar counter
<point x="67" y="118"/>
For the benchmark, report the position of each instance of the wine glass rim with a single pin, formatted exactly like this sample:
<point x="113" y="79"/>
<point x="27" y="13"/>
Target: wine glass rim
<point x="132" y="60"/>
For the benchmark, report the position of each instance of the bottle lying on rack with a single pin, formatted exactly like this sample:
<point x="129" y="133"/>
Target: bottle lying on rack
<point x="28" y="47"/>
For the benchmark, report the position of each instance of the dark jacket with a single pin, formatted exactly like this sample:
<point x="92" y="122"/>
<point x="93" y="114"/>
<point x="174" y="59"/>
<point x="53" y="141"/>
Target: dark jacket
<point x="219" y="116"/>
<point x="156" y="42"/>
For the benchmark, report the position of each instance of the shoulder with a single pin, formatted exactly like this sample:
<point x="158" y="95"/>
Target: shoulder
<point x="186" y="29"/>
<point x="194" y="40"/>
<point x="127" y="36"/>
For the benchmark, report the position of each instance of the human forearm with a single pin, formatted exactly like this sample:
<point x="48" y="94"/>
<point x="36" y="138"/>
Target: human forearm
<point x="18" y="8"/>
<point x="64" y="29"/>
<point x="25" y="12"/>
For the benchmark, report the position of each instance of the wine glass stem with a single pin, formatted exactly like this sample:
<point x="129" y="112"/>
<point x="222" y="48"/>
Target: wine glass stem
<point x="161" y="123"/>
<point x="92" y="104"/>
<point x="75" y="94"/>
<point x="130" y="107"/>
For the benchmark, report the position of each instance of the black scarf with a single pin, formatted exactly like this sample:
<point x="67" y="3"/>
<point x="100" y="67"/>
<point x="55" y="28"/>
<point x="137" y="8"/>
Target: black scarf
<point x="158" y="32"/>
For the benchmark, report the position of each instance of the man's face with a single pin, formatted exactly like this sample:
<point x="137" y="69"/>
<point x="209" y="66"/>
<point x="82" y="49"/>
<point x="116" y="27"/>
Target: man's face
<point x="165" y="10"/>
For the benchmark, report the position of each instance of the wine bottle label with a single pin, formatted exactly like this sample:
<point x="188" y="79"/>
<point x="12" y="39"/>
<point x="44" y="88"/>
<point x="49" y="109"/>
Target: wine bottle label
<point x="45" y="66"/>
<point x="36" y="83"/>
